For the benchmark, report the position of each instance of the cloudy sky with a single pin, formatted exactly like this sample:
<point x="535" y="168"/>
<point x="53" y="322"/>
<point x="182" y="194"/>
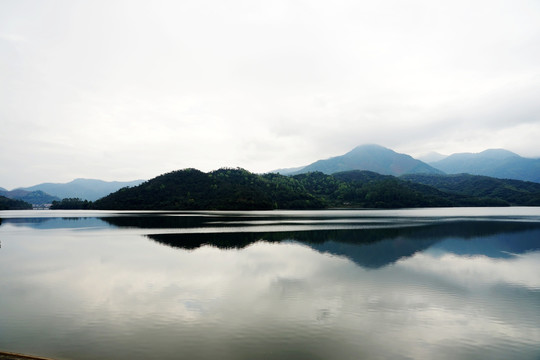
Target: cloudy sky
<point x="123" y="90"/>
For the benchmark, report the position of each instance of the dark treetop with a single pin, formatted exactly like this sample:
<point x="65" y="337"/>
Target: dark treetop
<point x="238" y="189"/>
<point x="13" y="204"/>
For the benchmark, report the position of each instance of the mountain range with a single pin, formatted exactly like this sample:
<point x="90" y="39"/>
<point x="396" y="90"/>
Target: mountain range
<point x="36" y="197"/>
<point x="495" y="163"/>
<point x="238" y="189"/>
<point x="498" y="163"/>
<point x="85" y="189"/>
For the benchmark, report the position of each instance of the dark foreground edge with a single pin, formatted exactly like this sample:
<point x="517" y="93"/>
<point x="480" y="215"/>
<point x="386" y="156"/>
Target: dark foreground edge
<point x="14" y="356"/>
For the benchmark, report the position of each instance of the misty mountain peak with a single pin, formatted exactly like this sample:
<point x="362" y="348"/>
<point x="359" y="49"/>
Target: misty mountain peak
<point x="497" y="154"/>
<point x="371" y="157"/>
<point x="370" y="149"/>
<point x="498" y="163"/>
<point x="432" y="157"/>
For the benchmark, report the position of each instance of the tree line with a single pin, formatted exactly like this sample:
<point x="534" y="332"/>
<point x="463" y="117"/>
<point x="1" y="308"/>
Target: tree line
<point x="238" y="189"/>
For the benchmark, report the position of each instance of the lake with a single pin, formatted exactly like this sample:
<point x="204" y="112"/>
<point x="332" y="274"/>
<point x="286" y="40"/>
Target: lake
<point x="459" y="283"/>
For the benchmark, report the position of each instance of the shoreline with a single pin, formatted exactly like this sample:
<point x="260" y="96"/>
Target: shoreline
<point x="6" y="355"/>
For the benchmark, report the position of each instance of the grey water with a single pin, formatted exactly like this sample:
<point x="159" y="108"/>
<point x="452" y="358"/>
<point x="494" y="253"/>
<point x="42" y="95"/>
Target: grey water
<point x="455" y="283"/>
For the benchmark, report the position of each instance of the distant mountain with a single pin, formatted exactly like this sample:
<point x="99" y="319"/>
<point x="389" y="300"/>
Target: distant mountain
<point x="2" y="189"/>
<point x="288" y="171"/>
<point x="85" y="189"/>
<point x="33" y="197"/>
<point x="498" y="163"/>
<point x="372" y="158"/>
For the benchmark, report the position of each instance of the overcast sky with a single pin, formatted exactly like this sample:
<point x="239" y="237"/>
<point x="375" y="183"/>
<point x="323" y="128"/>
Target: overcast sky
<point x="124" y="90"/>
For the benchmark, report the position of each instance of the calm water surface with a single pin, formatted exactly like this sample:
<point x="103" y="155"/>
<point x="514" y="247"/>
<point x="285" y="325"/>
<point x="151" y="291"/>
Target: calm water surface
<point x="402" y="284"/>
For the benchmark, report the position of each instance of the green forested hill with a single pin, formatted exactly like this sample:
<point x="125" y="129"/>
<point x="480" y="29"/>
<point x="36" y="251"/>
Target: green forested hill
<point x="13" y="204"/>
<point x="513" y="192"/>
<point x="367" y="189"/>
<point x="238" y="189"/>
<point x="224" y="189"/>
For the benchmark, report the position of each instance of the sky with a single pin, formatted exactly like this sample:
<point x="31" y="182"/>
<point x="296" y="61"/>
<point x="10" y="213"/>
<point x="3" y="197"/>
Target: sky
<point x="125" y="90"/>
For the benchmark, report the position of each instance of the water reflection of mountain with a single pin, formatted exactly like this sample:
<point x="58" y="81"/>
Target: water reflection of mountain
<point x="374" y="248"/>
<point x="382" y="241"/>
<point x="157" y="221"/>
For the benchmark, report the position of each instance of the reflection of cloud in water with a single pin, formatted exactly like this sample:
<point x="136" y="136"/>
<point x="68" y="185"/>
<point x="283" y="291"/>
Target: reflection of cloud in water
<point x="277" y="298"/>
<point x="522" y="270"/>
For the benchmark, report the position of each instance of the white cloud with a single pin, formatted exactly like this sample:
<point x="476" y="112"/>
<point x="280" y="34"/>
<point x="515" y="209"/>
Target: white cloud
<point x="258" y="85"/>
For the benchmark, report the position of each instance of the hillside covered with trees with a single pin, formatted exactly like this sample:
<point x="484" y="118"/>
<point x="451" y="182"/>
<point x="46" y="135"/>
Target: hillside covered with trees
<point x="238" y="189"/>
<point x="513" y="192"/>
<point x="224" y="189"/>
<point x="13" y="204"/>
<point x="365" y="189"/>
